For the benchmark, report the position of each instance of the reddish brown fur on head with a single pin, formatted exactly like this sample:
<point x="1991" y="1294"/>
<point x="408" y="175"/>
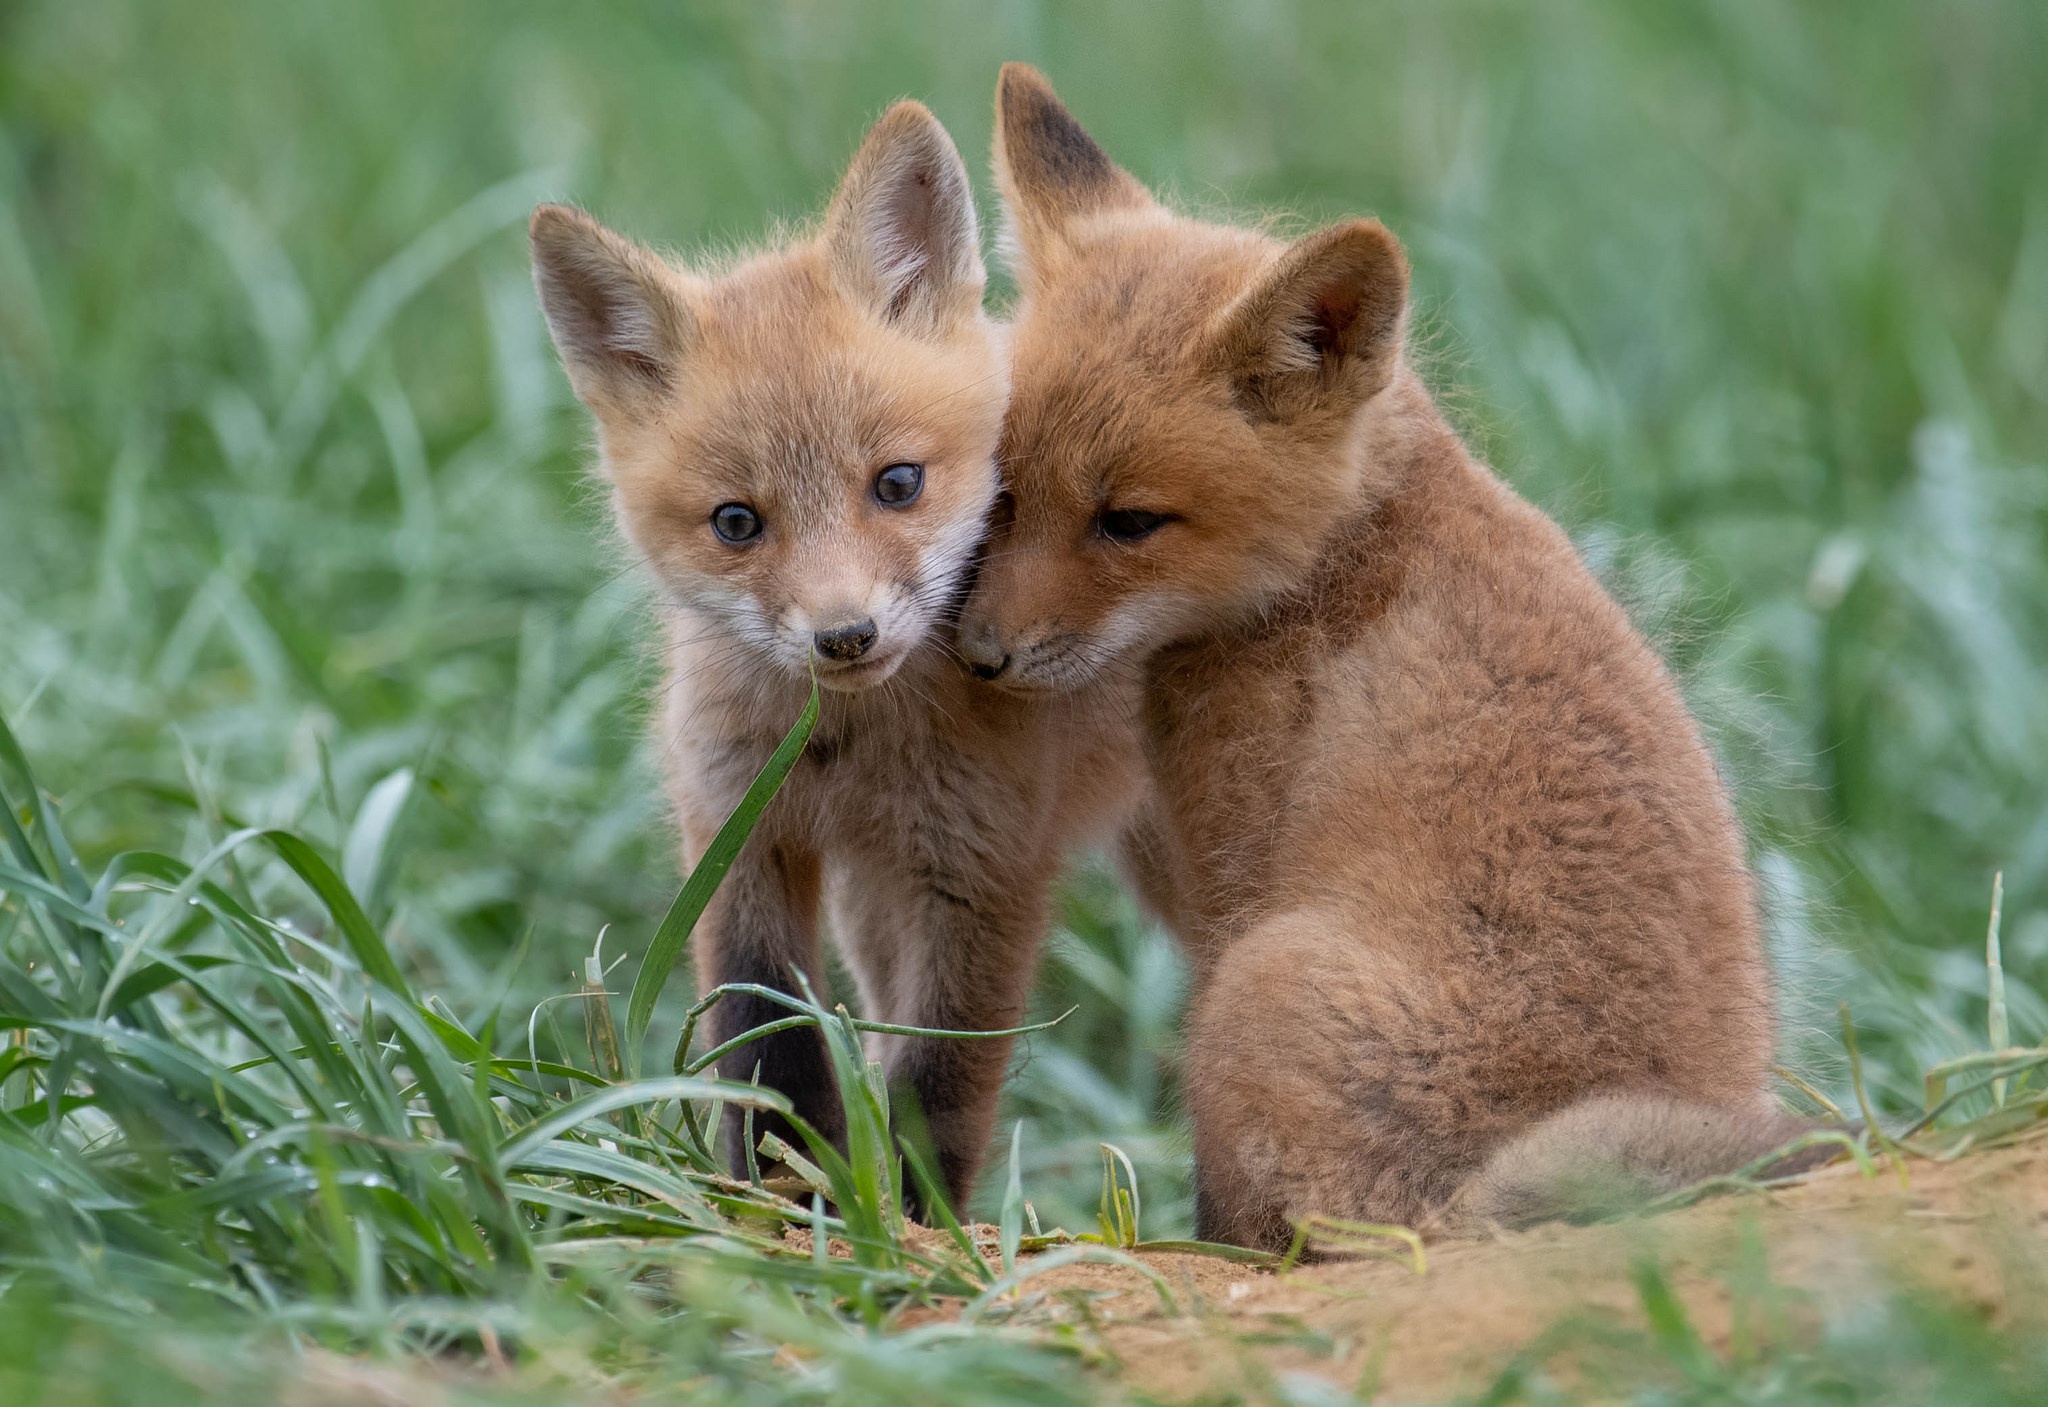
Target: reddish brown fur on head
<point x="1182" y="397"/>
<point x="787" y="383"/>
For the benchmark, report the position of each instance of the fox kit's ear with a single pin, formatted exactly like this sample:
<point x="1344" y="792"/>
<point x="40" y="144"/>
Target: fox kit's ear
<point x="1050" y="170"/>
<point x="1322" y="328"/>
<point x="615" y="310"/>
<point x="901" y="232"/>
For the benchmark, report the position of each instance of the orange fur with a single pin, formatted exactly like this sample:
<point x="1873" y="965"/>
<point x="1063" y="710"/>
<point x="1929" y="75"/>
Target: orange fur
<point x="1447" y="850"/>
<point x="928" y="816"/>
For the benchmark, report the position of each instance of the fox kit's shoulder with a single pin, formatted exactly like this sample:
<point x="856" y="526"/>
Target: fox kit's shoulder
<point x="801" y="446"/>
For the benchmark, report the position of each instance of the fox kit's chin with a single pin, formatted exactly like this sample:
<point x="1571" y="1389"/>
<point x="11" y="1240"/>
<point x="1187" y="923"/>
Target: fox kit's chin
<point x="860" y="675"/>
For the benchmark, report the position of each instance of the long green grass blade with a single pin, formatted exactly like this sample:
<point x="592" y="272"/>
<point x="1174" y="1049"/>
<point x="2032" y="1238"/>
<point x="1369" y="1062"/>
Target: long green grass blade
<point x="356" y="929"/>
<point x="68" y="871"/>
<point x="669" y="940"/>
<point x="1010" y="1225"/>
<point x="140" y="945"/>
<point x="364" y="855"/>
<point x="626" y="1096"/>
<point x="1996" y="1023"/>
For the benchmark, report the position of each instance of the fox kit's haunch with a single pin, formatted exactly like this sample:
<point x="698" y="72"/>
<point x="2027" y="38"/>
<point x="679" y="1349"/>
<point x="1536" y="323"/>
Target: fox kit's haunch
<point x="801" y="447"/>
<point x="1446" y="848"/>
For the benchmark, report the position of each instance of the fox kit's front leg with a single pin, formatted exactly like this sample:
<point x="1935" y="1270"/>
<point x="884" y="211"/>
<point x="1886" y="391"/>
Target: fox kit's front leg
<point x="761" y="928"/>
<point x="971" y="971"/>
<point x="954" y="952"/>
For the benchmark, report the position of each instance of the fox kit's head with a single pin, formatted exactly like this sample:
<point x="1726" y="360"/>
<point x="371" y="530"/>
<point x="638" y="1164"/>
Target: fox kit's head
<point x="1186" y="405"/>
<point x="801" y="446"/>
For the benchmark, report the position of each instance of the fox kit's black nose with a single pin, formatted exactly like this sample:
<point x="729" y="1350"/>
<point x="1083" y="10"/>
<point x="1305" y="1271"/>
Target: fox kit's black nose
<point x="845" y="643"/>
<point x="984" y="670"/>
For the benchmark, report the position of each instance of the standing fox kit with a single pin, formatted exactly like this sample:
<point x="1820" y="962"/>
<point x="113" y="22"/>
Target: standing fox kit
<point x="1467" y="906"/>
<point x="801" y="446"/>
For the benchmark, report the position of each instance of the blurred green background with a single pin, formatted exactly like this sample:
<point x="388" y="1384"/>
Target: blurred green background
<point x="1752" y="296"/>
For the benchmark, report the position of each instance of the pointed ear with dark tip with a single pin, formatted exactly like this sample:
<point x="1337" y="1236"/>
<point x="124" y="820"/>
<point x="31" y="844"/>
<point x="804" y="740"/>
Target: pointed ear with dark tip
<point x="1322" y="328"/>
<point x="1050" y="169"/>
<point x="615" y="310"/>
<point x="901" y="232"/>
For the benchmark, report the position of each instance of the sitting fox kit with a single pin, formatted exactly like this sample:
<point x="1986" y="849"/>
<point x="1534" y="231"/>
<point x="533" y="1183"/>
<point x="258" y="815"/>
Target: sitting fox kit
<point x="1467" y="906"/>
<point x="801" y="448"/>
<point x="1472" y="932"/>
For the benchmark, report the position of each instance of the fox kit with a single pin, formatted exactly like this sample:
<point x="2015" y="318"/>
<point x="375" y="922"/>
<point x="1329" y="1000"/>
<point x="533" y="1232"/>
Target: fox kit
<point x="1446" y="849"/>
<point x="801" y="447"/>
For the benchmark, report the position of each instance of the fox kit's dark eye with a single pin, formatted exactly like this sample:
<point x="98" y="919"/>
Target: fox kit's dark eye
<point x="899" y="484"/>
<point x="735" y="522"/>
<point x="1129" y="524"/>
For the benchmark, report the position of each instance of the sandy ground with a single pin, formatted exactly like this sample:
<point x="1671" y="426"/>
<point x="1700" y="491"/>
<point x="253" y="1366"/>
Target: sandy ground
<point x="1972" y="1229"/>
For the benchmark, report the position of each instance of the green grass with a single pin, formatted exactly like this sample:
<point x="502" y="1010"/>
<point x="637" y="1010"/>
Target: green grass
<point x="295" y="534"/>
<point x="227" y="1119"/>
<point x="209" y="1114"/>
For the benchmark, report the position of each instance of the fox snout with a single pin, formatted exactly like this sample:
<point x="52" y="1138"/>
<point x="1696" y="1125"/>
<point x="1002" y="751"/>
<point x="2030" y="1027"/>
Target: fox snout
<point x="983" y="649"/>
<point x="1048" y="658"/>
<point x="855" y="645"/>
<point x="1010" y="627"/>
<point x="844" y="643"/>
<point x="1035" y="624"/>
<point x="843" y="620"/>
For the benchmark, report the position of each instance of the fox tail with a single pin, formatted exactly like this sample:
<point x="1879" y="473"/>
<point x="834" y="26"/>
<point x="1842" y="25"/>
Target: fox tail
<point x="1610" y="1154"/>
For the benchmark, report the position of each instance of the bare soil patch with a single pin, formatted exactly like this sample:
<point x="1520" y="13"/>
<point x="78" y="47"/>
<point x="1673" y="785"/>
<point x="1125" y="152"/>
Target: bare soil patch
<point x="1971" y="1229"/>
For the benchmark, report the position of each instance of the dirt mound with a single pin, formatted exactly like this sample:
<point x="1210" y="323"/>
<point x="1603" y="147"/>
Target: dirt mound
<point x="1971" y="1229"/>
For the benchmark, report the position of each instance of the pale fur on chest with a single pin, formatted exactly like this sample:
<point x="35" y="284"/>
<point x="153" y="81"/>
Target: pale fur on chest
<point x="929" y="788"/>
<point x="925" y="754"/>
